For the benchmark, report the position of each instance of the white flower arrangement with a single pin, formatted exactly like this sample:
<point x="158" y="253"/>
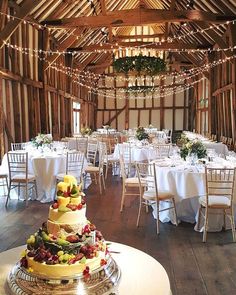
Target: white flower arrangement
<point x="42" y="139"/>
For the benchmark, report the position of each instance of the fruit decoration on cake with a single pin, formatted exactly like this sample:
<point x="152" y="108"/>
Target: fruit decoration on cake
<point x="67" y="244"/>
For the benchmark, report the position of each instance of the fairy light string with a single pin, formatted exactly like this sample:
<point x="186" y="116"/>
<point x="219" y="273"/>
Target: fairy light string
<point x="88" y="74"/>
<point x="69" y="32"/>
<point x="81" y="77"/>
<point x="75" y="52"/>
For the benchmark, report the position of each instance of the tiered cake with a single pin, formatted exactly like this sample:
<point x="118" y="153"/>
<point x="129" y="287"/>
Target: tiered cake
<point x="68" y="243"/>
<point x="67" y="248"/>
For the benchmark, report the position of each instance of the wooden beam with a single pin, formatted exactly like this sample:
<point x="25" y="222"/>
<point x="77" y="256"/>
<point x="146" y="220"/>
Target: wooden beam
<point x="3" y="9"/>
<point x="139" y="16"/>
<point x="172" y="5"/>
<point x="151" y="36"/>
<point x="218" y="39"/>
<point x="2" y="121"/>
<point x="62" y="47"/>
<point x="195" y="63"/>
<point x="127" y="105"/>
<point x="83" y="65"/>
<point x="110" y="35"/>
<point x="11" y="26"/>
<point x="147" y="108"/>
<point x="98" y="66"/>
<point x="16" y="77"/>
<point x="6" y="74"/>
<point x="223" y="89"/>
<point x="232" y="37"/>
<point x="162" y="46"/>
<point x="43" y="94"/>
<point x="115" y="116"/>
<point x="103" y="7"/>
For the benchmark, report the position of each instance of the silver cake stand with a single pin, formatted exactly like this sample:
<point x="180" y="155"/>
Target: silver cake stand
<point x="103" y="281"/>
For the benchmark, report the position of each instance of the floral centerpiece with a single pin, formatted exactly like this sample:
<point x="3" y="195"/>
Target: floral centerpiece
<point x="86" y="131"/>
<point x="192" y="147"/>
<point x="42" y="139"/>
<point x="141" y="134"/>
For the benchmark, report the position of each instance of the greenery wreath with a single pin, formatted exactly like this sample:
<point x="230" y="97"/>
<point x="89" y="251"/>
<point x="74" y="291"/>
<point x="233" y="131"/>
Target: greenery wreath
<point x="148" y="65"/>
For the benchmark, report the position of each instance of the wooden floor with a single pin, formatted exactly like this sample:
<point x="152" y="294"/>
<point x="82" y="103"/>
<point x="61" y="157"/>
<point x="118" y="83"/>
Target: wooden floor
<point x="193" y="267"/>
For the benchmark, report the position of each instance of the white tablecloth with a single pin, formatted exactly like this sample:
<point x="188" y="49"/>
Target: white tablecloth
<point x="140" y="273"/>
<point x="45" y="168"/>
<point x="219" y="147"/>
<point x="106" y="131"/>
<point x="138" y="153"/>
<point x="187" y="183"/>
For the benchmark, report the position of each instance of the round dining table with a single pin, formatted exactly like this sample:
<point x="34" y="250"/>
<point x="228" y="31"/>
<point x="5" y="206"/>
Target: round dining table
<point x="187" y="183"/>
<point x="138" y="153"/>
<point x="140" y="273"/>
<point x="45" y="166"/>
<point x="219" y="147"/>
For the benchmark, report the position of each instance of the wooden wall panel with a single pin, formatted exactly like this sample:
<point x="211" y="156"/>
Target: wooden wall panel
<point x="144" y="118"/>
<point x="168" y="100"/>
<point x="179" y="119"/>
<point x="121" y="121"/>
<point x="156" y="100"/>
<point x="168" y="120"/>
<point x="144" y="104"/>
<point x="140" y="102"/>
<point x="156" y="118"/>
<point x="179" y="99"/>
<point x="133" y="119"/>
<point x="35" y="100"/>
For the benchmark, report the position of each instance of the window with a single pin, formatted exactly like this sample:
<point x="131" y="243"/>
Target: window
<point x="76" y="117"/>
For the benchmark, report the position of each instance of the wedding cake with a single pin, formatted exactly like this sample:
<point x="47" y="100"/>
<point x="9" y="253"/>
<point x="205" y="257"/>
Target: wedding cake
<point x="67" y="244"/>
<point x="67" y="255"/>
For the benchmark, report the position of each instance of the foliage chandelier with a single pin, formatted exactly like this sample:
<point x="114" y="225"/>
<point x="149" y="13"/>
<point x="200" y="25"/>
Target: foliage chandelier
<point x="147" y="65"/>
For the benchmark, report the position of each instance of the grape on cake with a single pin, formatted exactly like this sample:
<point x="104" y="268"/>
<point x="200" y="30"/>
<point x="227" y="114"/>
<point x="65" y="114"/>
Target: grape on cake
<point x="67" y="244"/>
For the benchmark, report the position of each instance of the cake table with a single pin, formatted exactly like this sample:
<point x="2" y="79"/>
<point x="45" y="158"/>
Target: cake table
<point x="140" y="273"/>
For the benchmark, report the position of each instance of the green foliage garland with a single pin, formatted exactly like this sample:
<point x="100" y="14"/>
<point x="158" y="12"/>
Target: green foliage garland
<point x="140" y="89"/>
<point x="150" y="65"/>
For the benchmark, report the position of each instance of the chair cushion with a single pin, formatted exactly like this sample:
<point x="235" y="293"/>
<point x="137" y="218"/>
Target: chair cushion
<point x="215" y="201"/>
<point x="133" y="181"/>
<point x="92" y="169"/>
<point x="162" y="195"/>
<point x="3" y="175"/>
<point x="21" y="178"/>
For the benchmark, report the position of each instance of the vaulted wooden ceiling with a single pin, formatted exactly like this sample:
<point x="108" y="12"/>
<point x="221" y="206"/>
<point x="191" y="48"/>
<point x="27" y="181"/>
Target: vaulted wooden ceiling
<point x="92" y="24"/>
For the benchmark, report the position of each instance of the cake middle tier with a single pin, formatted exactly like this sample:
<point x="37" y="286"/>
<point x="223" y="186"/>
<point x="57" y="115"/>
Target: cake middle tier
<point x="66" y="222"/>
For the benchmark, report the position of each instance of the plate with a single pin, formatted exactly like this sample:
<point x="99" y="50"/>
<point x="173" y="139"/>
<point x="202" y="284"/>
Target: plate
<point x="103" y="281"/>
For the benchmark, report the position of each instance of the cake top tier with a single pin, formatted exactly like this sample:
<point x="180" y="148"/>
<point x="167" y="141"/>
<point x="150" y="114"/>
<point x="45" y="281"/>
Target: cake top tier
<point x="70" y="196"/>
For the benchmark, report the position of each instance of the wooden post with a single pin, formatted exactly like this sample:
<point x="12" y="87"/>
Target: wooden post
<point x="174" y="102"/>
<point x="233" y="102"/>
<point x="126" y="105"/>
<point x="43" y="93"/>
<point x="162" y="91"/>
<point x="2" y="146"/>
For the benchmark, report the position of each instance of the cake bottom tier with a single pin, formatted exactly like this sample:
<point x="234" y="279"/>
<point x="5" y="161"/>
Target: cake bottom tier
<point x="64" y="270"/>
<point x="102" y="281"/>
